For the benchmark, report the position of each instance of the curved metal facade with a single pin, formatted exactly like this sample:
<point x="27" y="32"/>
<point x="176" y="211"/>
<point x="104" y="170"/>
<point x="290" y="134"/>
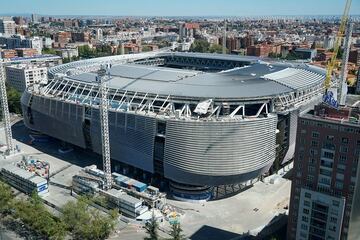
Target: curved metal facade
<point x="213" y="153"/>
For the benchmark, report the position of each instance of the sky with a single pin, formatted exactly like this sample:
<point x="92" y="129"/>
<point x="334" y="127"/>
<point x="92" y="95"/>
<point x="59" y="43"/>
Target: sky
<point x="178" y="7"/>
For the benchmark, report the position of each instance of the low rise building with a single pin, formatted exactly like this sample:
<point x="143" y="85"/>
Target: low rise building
<point x="260" y="50"/>
<point x="8" y="53"/>
<point x="24" y="181"/>
<point x="23" y="75"/>
<point x="305" y="53"/>
<point x="26" y="52"/>
<point x="68" y="52"/>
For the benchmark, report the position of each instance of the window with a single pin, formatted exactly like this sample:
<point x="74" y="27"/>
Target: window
<point x="325" y="172"/>
<point x="308" y="195"/>
<point x="305" y="219"/>
<point x="339" y="185"/>
<point x="336" y="203"/>
<point x="340" y="176"/>
<point x="342" y="158"/>
<point x="315" y="134"/>
<point x="314" y="143"/>
<point x="313" y="152"/>
<point x="306" y="203"/>
<point x="343" y="149"/>
<point x="304" y="227"/>
<point x="312" y="161"/>
<point x="345" y="140"/>
<point x="306" y="211"/>
<point x="327" y="154"/>
<point x="310" y="178"/>
<point x="330" y="137"/>
<point x="333" y="219"/>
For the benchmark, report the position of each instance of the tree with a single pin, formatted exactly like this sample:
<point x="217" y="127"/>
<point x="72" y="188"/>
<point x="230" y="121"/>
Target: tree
<point x="14" y="97"/>
<point x="152" y="229"/>
<point x="87" y="223"/>
<point x="6" y="197"/>
<point x="201" y="46"/>
<point x="176" y="232"/>
<point x="48" y="51"/>
<point x="146" y="49"/>
<point x="33" y="214"/>
<point x="215" y="48"/>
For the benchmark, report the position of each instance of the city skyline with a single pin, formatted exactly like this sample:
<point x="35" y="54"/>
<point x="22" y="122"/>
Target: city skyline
<point x="179" y="8"/>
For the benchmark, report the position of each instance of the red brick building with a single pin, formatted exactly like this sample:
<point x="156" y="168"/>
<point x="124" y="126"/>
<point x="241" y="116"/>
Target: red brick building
<point x="325" y="192"/>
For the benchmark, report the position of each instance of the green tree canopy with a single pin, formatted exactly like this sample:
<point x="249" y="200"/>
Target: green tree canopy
<point x="201" y="46"/>
<point x="14" y="97"/>
<point x="215" y="48"/>
<point x="176" y="232"/>
<point x="87" y="223"/>
<point x="152" y="229"/>
<point x="48" y="51"/>
<point x="6" y="197"/>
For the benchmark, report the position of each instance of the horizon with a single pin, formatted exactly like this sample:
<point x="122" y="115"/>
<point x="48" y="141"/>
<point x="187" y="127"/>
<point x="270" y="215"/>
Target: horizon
<point x="179" y="8"/>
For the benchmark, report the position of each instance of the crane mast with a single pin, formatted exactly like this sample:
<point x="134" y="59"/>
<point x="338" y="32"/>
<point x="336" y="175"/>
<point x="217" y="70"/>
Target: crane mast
<point x="5" y="110"/>
<point x="344" y="65"/>
<point x="340" y="34"/>
<point x="104" y="121"/>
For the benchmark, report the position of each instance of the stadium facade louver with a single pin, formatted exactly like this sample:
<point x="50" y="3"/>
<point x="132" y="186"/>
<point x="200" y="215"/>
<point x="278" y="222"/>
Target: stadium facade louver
<point x="210" y="124"/>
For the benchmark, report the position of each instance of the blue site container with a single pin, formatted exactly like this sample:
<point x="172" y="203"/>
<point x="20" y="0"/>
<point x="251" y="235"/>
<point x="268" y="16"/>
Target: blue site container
<point x="139" y="186"/>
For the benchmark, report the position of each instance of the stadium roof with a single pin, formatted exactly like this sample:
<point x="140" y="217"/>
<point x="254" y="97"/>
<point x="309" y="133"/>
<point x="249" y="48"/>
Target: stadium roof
<point x="257" y="80"/>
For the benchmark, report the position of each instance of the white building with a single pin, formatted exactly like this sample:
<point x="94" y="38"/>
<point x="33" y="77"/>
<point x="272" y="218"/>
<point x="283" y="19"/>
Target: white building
<point x="329" y="42"/>
<point x="68" y="52"/>
<point x="99" y="34"/>
<point x="37" y="43"/>
<point x="23" y="75"/>
<point x="47" y="42"/>
<point x="7" y="26"/>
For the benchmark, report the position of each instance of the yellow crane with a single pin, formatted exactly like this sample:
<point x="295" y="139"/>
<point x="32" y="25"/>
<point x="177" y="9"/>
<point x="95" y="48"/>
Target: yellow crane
<point x="340" y="34"/>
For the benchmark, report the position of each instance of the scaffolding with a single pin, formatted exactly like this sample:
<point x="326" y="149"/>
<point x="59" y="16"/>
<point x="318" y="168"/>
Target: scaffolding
<point x="5" y="110"/>
<point x="104" y="121"/>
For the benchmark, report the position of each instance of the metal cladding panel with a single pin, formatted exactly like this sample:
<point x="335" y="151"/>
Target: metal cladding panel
<point x="131" y="138"/>
<point x="57" y="119"/>
<point x="215" y="153"/>
<point x="292" y="135"/>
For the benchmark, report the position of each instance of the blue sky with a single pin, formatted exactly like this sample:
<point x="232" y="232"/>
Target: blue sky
<point x="178" y="7"/>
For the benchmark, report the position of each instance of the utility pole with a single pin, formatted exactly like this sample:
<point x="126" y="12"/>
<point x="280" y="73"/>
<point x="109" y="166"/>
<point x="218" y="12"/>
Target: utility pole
<point x="5" y="109"/>
<point x="342" y="91"/>
<point x="104" y="121"/>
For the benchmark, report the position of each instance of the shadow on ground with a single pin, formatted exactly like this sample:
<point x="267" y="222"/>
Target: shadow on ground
<point x="212" y="233"/>
<point x="78" y="156"/>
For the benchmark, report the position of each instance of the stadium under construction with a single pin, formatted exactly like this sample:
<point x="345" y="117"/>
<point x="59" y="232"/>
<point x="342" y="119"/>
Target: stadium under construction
<point x="208" y="124"/>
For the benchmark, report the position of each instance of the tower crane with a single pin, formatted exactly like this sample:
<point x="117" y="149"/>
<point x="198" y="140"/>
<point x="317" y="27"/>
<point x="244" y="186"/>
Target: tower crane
<point x="340" y="34"/>
<point x="104" y="121"/>
<point x="5" y="110"/>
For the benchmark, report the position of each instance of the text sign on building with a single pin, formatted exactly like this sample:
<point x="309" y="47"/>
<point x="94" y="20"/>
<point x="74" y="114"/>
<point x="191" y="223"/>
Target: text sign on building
<point x="330" y="99"/>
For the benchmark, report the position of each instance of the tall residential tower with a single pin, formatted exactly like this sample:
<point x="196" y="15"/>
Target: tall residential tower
<point x="325" y="192"/>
